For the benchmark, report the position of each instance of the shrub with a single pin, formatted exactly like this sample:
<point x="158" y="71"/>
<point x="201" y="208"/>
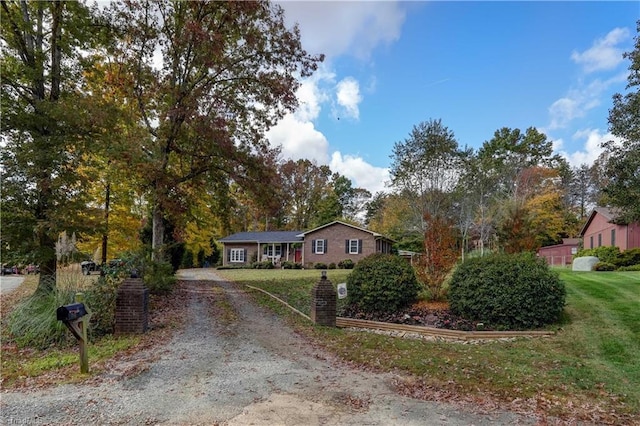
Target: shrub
<point x="346" y="264"/>
<point x="267" y="264"/>
<point x="101" y="301"/>
<point x="287" y="265"/>
<point x="332" y="265"/>
<point x="630" y="268"/>
<point x="607" y="254"/>
<point x="320" y="265"/>
<point x="516" y="291"/>
<point x="604" y="266"/>
<point x="629" y="257"/>
<point x="382" y="283"/>
<point x="158" y="277"/>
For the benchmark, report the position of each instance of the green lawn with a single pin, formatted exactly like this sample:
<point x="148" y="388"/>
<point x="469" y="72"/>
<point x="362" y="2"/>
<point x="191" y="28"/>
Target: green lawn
<point x="589" y="371"/>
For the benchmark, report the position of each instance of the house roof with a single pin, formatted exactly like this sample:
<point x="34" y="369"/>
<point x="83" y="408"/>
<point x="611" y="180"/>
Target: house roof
<point x="264" y="237"/>
<point x="375" y="234"/>
<point x="608" y="213"/>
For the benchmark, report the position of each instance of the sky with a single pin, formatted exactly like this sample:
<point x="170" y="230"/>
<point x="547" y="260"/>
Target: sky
<point x="477" y="66"/>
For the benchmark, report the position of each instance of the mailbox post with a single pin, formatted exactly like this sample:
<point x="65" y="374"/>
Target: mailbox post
<point x="76" y="317"/>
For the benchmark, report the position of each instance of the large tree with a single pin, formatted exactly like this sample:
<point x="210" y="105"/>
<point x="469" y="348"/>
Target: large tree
<point x="208" y="78"/>
<point x="623" y="165"/>
<point x="426" y="168"/>
<point x="48" y="121"/>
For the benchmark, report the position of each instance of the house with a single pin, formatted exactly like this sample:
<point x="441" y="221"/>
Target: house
<point x="602" y="229"/>
<point x="245" y="248"/>
<point x="560" y="254"/>
<point x="330" y="243"/>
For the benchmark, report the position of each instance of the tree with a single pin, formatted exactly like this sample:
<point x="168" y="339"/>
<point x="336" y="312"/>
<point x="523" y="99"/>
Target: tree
<point x="304" y="185"/>
<point x="229" y="71"/>
<point x="623" y="167"/>
<point x="48" y="121"/>
<point x="426" y="167"/>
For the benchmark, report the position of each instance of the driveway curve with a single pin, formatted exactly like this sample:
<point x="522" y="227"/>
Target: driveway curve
<point x="250" y="370"/>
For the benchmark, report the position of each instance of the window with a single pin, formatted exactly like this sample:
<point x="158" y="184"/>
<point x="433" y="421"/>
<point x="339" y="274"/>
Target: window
<point x="236" y="255"/>
<point x="269" y="250"/>
<point x="591" y="242"/>
<point x="353" y="246"/>
<point x="599" y="240"/>
<point x="319" y="246"/>
<point x="613" y="237"/>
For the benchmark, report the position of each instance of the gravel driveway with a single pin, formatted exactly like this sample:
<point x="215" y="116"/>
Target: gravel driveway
<point x="250" y="371"/>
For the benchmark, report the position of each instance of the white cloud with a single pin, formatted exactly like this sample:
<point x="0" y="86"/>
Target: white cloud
<point x="337" y="28"/>
<point x="591" y="147"/>
<point x="604" y="53"/>
<point x="299" y="139"/>
<point x="348" y="96"/>
<point x="361" y="173"/>
<point x="578" y="101"/>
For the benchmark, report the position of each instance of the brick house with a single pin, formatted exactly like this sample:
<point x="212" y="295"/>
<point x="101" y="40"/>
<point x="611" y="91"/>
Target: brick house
<point x="337" y="241"/>
<point x="602" y="229"/>
<point x="330" y="243"/>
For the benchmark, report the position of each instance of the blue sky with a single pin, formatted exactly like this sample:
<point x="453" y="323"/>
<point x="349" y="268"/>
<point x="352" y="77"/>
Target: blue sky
<point x="478" y="66"/>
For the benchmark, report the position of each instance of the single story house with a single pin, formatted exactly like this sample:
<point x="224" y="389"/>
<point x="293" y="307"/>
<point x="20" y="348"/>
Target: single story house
<point x="603" y="229"/>
<point x="330" y="243"/>
<point x="560" y="254"/>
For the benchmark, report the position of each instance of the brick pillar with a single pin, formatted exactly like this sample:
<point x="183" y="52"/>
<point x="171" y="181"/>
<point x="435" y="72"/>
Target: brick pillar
<point x="323" y="302"/>
<point x="132" y="307"/>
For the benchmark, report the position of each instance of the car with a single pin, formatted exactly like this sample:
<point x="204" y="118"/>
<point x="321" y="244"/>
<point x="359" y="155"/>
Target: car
<point x="31" y="269"/>
<point x="89" y="266"/>
<point x="8" y="270"/>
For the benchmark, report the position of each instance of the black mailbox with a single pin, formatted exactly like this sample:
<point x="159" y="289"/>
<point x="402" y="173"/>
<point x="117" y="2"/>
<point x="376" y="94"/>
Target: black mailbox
<point x="71" y="312"/>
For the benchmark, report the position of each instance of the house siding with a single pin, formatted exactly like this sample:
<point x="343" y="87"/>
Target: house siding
<point x="559" y="254"/>
<point x="600" y="232"/>
<point x="335" y="236"/>
<point x="251" y="252"/>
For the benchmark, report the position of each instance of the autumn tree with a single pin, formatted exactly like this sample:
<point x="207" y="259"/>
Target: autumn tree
<point x="304" y="184"/>
<point x="208" y="79"/>
<point x="623" y="166"/>
<point x="439" y="256"/>
<point x="48" y="122"/>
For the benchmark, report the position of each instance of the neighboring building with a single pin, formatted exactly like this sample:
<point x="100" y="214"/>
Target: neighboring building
<point x="326" y="244"/>
<point x="602" y="229"/>
<point x="560" y="254"/>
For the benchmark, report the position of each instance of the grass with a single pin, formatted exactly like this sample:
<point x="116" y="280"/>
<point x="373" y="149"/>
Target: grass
<point x="589" y="371"/>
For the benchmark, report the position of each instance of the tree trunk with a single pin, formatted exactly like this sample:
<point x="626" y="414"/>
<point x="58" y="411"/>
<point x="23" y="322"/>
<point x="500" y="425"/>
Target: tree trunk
<point x="105" y="236"/>
<point x="157" y="239"/>
<point x="48" y="265"/>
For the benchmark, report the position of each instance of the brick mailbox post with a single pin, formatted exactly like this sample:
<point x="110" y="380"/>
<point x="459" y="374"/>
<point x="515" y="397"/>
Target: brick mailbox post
<point x="132" y="307"/>
<point x="323" y="302"/>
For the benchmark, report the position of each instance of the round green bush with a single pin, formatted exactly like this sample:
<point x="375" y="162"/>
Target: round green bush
<point x="382" y="283"/>
<point x="516" y="291"/>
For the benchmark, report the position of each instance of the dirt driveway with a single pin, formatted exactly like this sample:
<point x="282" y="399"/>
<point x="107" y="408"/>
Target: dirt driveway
<point x="251" y="370"/>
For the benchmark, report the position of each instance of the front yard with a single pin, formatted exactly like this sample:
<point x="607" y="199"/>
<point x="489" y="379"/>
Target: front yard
<point x="589" y="371"/>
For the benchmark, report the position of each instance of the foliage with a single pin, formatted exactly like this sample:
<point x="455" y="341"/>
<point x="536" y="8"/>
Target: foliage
<point x="515" y="232"/>
<point x="267" y="264"/>
<point x="511" y="291"/>
<point x="48" y="122"/>
<point x="33" y="322"/>
<point x="635" y="267"/>
<point x="332" y="266"/>
<point x="240" y="61"/>
<point x="291" y="265"/>
<point x="382" y="283"/>
<point x="426" y="167"/>
<point x="346" y="264"/>
<point x="439" y="257"/>
<point x="604" y="266"/>
<point x="623" y="188"/>
<point x="608" y="254"/>
<point x="101" y="300"/>
<point x="320" y="265"/>
<point x="628" y="257"/>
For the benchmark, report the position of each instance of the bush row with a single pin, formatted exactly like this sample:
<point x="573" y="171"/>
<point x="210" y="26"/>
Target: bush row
<point x="611" y="258"/>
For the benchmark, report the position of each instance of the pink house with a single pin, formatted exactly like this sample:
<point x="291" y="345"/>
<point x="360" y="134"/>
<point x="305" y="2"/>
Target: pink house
<point x="560" y="254"/>
<point x="602" y="229"/>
